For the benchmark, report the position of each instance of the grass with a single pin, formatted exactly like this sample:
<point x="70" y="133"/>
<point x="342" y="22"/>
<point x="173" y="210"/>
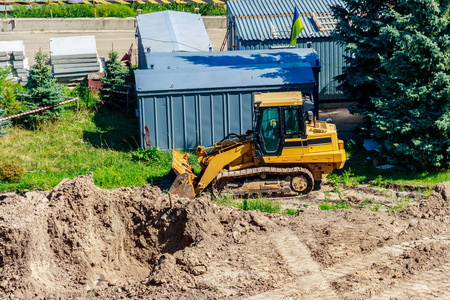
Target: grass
<point x="329" y="205"/>
<point x="358" y="169"/>
<point x="259" y="203"/>
<point x="101" y="142"/>
<point x="400" y="203"/>
<point x="104" y="141"/>
<point x="370" y="205"/>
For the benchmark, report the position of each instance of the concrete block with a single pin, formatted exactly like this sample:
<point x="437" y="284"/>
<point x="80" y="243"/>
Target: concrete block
<point x="73" y="47"/>
<point x="11" y="46"/>
<point x="83" y="66"/>
<point x="76" y="70"/>
<point x="71" y="74"/>
<point x="17" y="64"/>
<point x="59" y="61"/>
<point x="215" y="21"/>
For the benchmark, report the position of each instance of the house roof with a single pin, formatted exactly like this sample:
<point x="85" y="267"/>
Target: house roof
<point x="228" y="70"/>
<point x="272" y="19"/>
<point x="172" y="31"/>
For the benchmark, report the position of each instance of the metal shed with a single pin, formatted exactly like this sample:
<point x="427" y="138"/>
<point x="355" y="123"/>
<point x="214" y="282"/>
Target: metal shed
<point x="170" y="31"/>
<point x="266" y="24"/>
<point x="190" y="99"/>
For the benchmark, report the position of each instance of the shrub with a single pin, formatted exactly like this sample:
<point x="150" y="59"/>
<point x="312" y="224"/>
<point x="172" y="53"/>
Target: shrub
<point x="4" y="124"/>
<point x="11" y="172"/>
<point x="290" y="211"/>
<point x="112" y="10"/>
<point x="149" y="154"/>
<point x="8" y="97"/>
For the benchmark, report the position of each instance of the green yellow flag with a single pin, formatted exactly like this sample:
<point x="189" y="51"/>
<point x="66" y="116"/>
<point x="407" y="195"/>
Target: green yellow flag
<point x="297" y="27"/>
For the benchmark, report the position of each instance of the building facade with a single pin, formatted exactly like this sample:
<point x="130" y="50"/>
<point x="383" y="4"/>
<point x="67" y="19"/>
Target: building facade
<point x="266" y="24"/>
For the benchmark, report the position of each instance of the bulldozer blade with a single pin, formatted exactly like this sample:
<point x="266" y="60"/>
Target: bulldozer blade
<point x="182" y="186"/>
<point x="180" y="163"/>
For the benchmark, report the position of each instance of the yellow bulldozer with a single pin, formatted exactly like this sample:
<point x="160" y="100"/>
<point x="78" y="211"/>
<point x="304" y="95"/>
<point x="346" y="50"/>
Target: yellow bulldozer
<point x="284" y="154"/>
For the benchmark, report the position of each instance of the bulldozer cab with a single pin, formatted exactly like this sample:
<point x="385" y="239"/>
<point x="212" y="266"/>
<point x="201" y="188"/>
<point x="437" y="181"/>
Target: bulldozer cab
<point x="278" y="116"/>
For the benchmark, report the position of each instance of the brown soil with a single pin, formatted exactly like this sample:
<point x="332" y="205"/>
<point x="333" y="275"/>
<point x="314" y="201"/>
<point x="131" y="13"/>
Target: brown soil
<point x="81" y="242"/>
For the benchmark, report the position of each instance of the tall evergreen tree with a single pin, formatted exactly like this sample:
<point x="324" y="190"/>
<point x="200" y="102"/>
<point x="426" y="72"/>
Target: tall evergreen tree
<point x="399" y="73"/>
<point x="115" y="79"/>
<point x="44" y="90"/>
<point x="358" y="31"/>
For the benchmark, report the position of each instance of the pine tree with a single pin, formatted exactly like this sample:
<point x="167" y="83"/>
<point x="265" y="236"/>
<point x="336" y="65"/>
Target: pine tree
<point x="399" y="72"/>
<point x="44" y="90"/>
<point x="115" y="79"/>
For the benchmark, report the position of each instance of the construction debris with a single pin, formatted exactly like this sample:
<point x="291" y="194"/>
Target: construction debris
<point x="72" y="58"/>
<point x="12" y="54"/>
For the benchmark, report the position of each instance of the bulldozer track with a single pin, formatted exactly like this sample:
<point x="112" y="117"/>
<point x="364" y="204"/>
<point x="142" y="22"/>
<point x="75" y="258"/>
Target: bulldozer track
<point x="433" y="284"/>
<point x="381" y="254"/>
<point x="298" y="258"/>
<point x="312" y="281"/>
<point x="271" y="171"/>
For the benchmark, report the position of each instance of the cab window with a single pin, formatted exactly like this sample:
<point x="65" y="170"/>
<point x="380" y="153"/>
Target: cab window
<point x="291" y="121"/>
<point x="271" y="130"/>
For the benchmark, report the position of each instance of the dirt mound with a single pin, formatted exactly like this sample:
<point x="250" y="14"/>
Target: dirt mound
<point x="66" y="242"/>
<point x="80" y="241"/>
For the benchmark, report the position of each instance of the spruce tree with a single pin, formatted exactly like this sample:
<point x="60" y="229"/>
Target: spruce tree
<point x="399" y="73"/>
<point x="44" y="90"/>
<point x="114" y="80"/>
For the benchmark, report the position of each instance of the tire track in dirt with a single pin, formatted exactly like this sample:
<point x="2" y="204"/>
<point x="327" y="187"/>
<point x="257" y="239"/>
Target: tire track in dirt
<point x="381" y="254"/>
<point x="297" y="256"/>
<point x="427" y="285"/>
<point x="362" y="264"/>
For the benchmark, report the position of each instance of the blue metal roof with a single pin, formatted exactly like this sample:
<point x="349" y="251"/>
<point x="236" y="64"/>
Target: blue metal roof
<point x="231" y="60"/>
<point x="227" y="70"/>
<point x="272" y="19"/>
<point x="169" y="31"/>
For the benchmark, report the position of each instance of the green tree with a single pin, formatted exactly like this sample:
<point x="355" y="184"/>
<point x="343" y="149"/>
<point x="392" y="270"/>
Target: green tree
<point x="399" y="73"/>
<point x="45" y="91"/>
<point x="8" y="96"/>
<point x="4" y="125"/>
<point x="115" y="79"/>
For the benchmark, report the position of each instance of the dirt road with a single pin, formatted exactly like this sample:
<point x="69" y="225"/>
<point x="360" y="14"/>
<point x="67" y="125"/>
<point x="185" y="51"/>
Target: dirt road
<point x="79" y="241"/>
<point x="117" y="40"/>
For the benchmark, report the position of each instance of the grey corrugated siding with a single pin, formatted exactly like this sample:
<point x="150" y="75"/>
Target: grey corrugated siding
<point x="184" y="121"/>
<point x="331" y="57"/>
<point x="251" y="27"/>
<point x="189" y="99"/>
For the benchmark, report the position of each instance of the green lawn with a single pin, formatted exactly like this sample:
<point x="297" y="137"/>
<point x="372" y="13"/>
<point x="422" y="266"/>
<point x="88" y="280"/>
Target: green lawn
<point x="100" y="142"/>
<point x="104" y="142"/>
<point x="361" y="169"/>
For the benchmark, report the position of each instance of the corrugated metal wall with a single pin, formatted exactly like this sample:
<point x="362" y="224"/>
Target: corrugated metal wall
<point x="331" y="56"/>
<point x="266" y="24"/>
<point x="188" y="120"/>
